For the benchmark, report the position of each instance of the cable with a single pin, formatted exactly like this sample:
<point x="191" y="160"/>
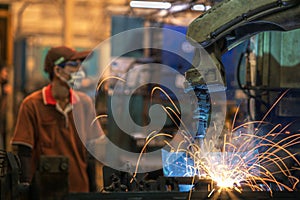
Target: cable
<point x="246" y="90"/>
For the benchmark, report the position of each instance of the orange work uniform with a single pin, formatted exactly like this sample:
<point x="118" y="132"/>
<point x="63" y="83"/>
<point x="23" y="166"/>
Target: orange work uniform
<point x="48" y="130"/>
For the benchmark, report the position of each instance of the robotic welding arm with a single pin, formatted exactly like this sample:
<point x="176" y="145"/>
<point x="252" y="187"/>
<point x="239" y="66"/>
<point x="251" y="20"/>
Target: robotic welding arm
<point x="224" y="26"/>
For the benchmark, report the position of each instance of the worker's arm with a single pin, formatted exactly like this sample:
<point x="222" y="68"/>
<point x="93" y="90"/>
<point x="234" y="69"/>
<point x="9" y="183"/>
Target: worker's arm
<point x="25" y="155"/>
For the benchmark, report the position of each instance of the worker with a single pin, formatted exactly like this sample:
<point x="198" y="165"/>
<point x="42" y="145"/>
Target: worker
<point x="46" y="122"/>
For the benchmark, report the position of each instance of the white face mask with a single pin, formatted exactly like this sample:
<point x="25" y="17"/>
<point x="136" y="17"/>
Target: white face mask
<point x="75" y="79"/>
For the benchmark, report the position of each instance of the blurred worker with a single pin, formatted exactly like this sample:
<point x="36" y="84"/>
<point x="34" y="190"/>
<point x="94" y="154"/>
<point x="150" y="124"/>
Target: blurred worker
<point x="46" y="121"/>
<point x="5" y="89"/>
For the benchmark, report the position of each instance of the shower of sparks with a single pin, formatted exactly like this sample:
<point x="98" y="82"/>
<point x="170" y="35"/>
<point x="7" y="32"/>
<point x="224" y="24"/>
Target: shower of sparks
<point x="248" y="159"/>
<point x="236" y="167"/>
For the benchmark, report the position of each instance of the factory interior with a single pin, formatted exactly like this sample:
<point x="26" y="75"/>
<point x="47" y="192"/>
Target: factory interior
<point x="196" y="99"/>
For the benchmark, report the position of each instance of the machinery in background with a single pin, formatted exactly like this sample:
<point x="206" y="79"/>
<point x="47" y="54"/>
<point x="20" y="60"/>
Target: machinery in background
<point x="9" y="176"/>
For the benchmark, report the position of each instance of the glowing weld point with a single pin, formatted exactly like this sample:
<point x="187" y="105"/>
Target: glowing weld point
<point x="225" y="183"/>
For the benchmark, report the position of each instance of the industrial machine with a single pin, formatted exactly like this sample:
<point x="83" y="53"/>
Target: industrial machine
<point x="230" y="23"/>
<point x="266" y="33"/>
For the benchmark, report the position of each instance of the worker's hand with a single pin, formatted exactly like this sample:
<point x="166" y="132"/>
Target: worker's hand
<point x="25" y="184"/>
<point x="24" y="187"/>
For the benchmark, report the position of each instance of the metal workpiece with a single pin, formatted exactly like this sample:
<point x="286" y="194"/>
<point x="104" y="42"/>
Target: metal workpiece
<point x="237" y="19"/>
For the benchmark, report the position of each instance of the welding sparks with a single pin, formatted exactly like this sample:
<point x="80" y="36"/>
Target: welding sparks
<point x="249" y="158"/>
<point x="257" y="164"/>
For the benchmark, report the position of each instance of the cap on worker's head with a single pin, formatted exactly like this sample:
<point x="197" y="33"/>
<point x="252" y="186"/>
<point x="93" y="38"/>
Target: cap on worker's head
<point x="60" y="54"/>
